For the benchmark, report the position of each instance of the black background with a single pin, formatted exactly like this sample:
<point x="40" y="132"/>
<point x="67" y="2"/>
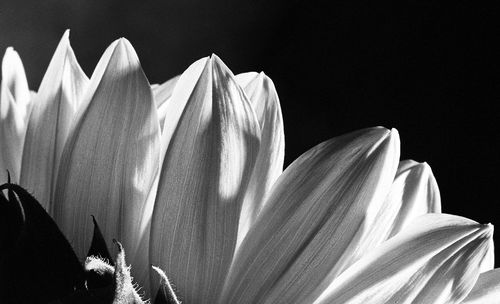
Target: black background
<point x="425" y="68"/>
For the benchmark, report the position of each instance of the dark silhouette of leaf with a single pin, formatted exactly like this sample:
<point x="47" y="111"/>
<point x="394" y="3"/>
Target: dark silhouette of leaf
<point x="39" y="264"/>
<point x="165" y="294"/>
<point x="11" y="221"/>
<point x="98" y="246"/>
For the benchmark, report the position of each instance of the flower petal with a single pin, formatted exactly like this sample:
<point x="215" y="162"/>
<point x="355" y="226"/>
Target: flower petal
<point x="112" y="155"/>
<point x="414" y="192"/>
<point x="53" y="112"/>
<point x="161" y="95"/>
<point x="436" y="259"/>
<point x="318" y="210"/>
<point x="269" y="166"/>
<point x="204" y="176"/>
<point x="486" y="290"/>
<point x="14" y="100"/>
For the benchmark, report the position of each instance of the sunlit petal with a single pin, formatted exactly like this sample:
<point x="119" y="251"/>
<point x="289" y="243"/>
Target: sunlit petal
<point x="436" y="259"/>
<point x="318" y="210"/>
<point x="211" y="153"/>
<point x="112" y="156"/>
<point x="486" y="290"/>
<point x="264" y="98"/>
<point x="52" y="114"/>
<point x="414" y="192"/>
<point x="14" y="100"/>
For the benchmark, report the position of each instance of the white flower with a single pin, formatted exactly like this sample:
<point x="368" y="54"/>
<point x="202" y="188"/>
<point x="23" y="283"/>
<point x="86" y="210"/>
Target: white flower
<point x="188" y="176"/>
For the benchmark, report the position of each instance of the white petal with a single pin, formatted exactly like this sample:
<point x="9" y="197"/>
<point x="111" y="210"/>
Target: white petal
<point x="486" y="290"/>
<point x="316" y="214"/>
<point x="269" y="166"/>
<point x="436" y="259"/>
<point x="489" y="261"/>
<point x="112" y="156"/>
<point x="204" y="176"/>
<point x="53" y="111"/>
<point x="181" y="94"/>
<point x="14" y="99"/>
<point x="414" y="192"/>
<point x="162" y="94"/>
<point x="14" y="77"/>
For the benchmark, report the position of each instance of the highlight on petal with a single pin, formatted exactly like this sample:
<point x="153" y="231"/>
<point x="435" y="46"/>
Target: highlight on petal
<point x="486" y="290"/>
<point x="211" y="154"/>
<point x="262" y="94"/>
<point x="489" y="261"/>
<point x="162" y="94"/>
<point x="311" y="226"/>
<point x="53" y="112"/>
<point x="14" y="101"/>
<point x="111" y="157"/>
<point x="436" y="259"/>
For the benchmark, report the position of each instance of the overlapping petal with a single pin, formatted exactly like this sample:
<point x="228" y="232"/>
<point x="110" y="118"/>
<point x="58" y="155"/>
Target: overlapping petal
<point x="14" y="109"/>
<point x="436" y="259"/>
<point x="111" y="156"/>
<point x="213" y="137"/>
<point x="162" y="94"/>
<point x="52" y="114"/>
<point x="344" y="224"/>
<point x="486" y="290"/>
<point x="317" y="213"/>
<point x="264" y="98"/>
<point x="414" y="192"/>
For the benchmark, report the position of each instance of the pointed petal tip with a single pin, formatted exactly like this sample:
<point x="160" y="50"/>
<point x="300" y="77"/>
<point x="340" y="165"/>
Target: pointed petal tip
<point x="125" y="45"/>
<point x="10" y="50"/>
<point x="65" y="36"/>
<point x="123" y="48"/>
<point x="394" y="133"/>
<point x="410" y="164"/>
<point x="11" y="57"/>
<point x="488" y="230"/>
<point x="217" y="62"/>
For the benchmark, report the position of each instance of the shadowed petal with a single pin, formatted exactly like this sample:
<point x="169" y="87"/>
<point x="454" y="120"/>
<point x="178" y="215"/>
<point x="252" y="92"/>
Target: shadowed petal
<point x="53" y="112"/>
<point x="14" y="101"/>
<point x="205" y="173"/>
<point x="317" y="213"/>
<point x="264" y="98"/>
<point x="436" y="259"/>
<point x="486" y="290"/>
<point x="110" y="159"/>
<point x="162" y="95"/>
